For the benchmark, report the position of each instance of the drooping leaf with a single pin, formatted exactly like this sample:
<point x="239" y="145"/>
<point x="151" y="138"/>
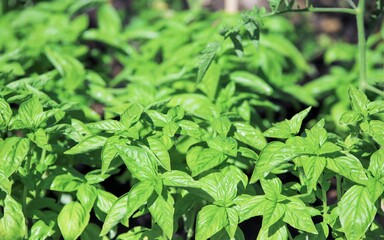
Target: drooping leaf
<point x="249" y="135"/>
<point x="176" y="178"/>
<point x="206" y="58"/>
<point x="65" y="183"/>
<point x="86" y="194"/>
<point x="89" y="144"/>
<point x="131" y="115"/>
<point x="161" y="152"/>
<point x="210" y="220"/>
<point x="12" y="222"/>
<point x="349" y="167"/>
<point x="109" y="152"/>
<point x="376" y="165"/>
<point x="250" y="206"/>
<point x="297" y="215"/>
<point x="70" y="68"/>
<point x="272" y="156"/>
<point x="277" y="231"/>
<point x="357" y="212"/>
<point x="115" y="214"/>
<point x="200" y="160"/>
<point x="252" y="82"/>
<point x="72" y="220"/>
<point x="5" y="114"/>
<point x="313" y="167"/>
<point x="140" y="162"/>
<point x="162" y="211"/>
<point x="12" y="153"/>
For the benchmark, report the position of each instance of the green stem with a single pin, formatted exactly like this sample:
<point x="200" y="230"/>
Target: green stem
<point x="362" y="44"/>
<point x="313" y="9"/>
<point x="374" y="90"/>
<point x="338" y="187"/>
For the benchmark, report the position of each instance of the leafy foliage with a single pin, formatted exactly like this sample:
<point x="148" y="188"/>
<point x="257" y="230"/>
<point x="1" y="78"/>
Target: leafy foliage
<point x="196" y="144"/>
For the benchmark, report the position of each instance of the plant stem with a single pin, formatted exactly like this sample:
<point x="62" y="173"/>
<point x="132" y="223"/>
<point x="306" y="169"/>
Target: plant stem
<point x="338" y="187"/>
<point x="313" y="9"/>
<point x="362" y="44"/>
<point x="374" y="90"/>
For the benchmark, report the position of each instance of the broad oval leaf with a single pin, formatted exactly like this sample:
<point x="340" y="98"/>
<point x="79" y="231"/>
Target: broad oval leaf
<point x="200" y="159"/>
<point x="251" y="81"/>
<point x="210" y="220"/>
<point x="349" y="167"/>
<point x="298" y="216"/>
<point x="5" y="114"/>
<point x="195" y="104"/>
<point x="162" y="211"/>
<point x="249" y="135"/>
<point x="72" y="220"/>
<point x="178" y="178"/>
<point x="140" y="162"/>
<point x="357" y="212"/>
<point x="89" y="144"/>
<point x="12" y="153"/>
<point x="272" y="156"/>
<point x="161" y="152"/>
<point x="12" y="223"/>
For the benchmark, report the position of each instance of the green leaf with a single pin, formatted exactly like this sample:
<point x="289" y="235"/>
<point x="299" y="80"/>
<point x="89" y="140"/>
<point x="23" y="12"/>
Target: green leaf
<point x="40" y="138"/>
<point x="191" y="128"/>
<point x="273" y="212"/>
<point x="65" y="183"/>
<point x="313" y="167"/>
<point x="107" y="125"/>
<point x="249" y="135"/>
<point x="72" y="220"/>
<point x="5" y="114"/>
<point x="70" y="69"/>
<point x="206" y="58"/>
<point x="376" y="165"/>
<point x="140" y="162"/>
<point x="12" y="153"/>
<point x="131" y="115"/>
<point x="201" y="159"/>
<point x="161" y="152"/>
<point x="359" y="101"/>
<point x="42" y="229"/>
<point x="376" y="130"/>
<point x="162" y="211"/>
<point x="226" y="145"/>
<point x="287" y="128"/>
<point x="29" y="110"/>
<point x="351" y="118"/>
<point x="277" y="231"/>
<point x="211" y="80"/>
<point x="349" y="167"/>
<point x="236" y="40"/>
<point x="357" y="212"/>
<point x="138" y="196"/>
<point x="195" y="104"/>
<point x="221" y="125"/>
<point x="375" y="188"/>
<point x="323" y="232"/>
<point x="86" y="194"/>
<point x="253" y="31"/>
<point x="210" y="220"/>
<point x="116" y="213"/>
<point x="108" y="20"/>
<point x="12" y="222"/>
<point x="89" y="144"/>
<point x="178" y="178"/>
<point x="108" y="153"/>
<point x="233" y="221"/>
<point x="105" y="200"/>
<point x="272" y="187"/>
<point x="298" y="216"/>
<point x="376" y="107"/>
<point x="250" y="206"/>
<point x="272" y="156"/>
<point x="251" y="81"/>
